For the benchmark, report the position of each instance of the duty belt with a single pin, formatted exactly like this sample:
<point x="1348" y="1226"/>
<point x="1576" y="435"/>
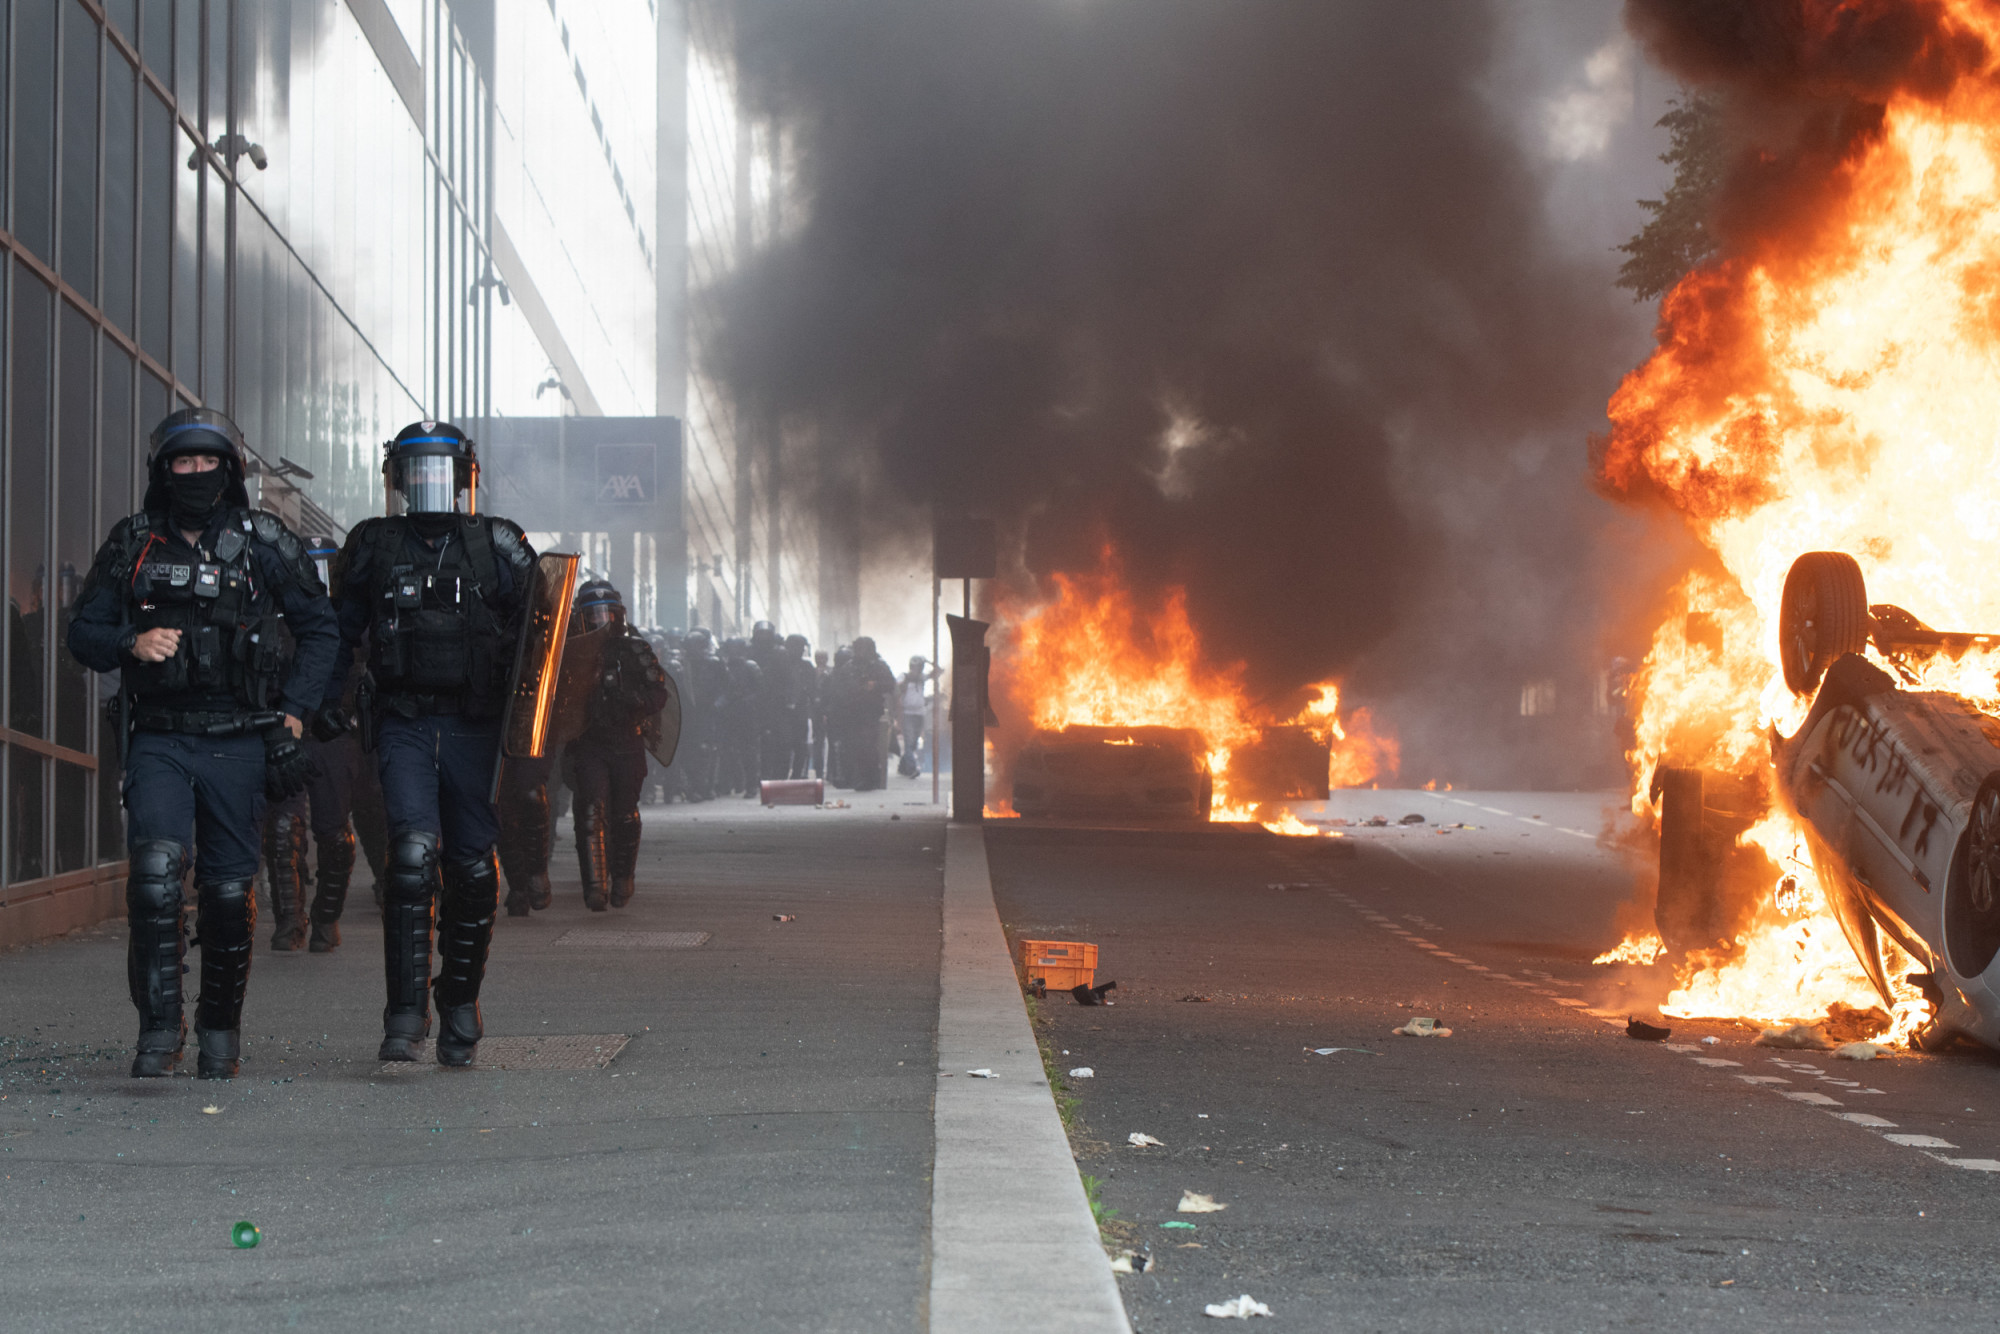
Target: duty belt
<point x="419" y="706"/>
<point x="195" y="722"/>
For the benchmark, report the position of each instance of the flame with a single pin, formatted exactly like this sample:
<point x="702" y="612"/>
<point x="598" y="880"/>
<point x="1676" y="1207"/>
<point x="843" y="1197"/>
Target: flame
<point x="1090" y="654"/>
<point x="1827" y="385"/>
<point x="1642" y="948"/>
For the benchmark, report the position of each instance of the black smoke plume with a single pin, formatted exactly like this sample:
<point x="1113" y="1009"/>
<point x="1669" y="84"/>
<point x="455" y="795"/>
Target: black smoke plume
<point x="1219" y="281"/>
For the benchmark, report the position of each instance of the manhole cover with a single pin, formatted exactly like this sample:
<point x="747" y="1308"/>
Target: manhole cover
<point x="549" y="1051"/>
<point x="634" y="940"/>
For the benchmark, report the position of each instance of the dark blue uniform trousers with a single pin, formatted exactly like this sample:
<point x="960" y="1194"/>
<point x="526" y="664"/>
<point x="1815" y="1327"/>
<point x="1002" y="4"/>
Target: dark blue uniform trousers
<point x="437" y="777"/>
<point x="204" y="793"/>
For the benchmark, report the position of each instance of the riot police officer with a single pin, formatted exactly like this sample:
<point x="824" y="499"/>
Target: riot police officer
<point x="440" y="592"/>
<point x="606" y="766"/>
<point x="189" y="601"/>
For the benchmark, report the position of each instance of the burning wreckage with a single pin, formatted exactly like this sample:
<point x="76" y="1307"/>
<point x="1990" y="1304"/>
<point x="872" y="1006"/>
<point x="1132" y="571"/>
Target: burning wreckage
<point x="1896" y="790"/>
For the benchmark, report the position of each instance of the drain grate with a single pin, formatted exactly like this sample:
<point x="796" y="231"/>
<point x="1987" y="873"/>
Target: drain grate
<point x="633" y="940"/>
<point x="548" y="1051"/>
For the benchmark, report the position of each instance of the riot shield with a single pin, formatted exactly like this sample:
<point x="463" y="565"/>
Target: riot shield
<point x="663" y="730"/>
<point x="582" y="663"/>
<point x="525" y="733"/>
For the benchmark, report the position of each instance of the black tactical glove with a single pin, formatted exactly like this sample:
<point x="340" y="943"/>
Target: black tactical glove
<point x="287" y="767"/>
<point x="331" y="722"/>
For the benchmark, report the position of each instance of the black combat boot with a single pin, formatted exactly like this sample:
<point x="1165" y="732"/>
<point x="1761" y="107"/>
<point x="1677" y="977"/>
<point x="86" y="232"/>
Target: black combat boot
<point x="591" y="861"/>
<point x="465" y="931"/>
<point x="285" y="863"/>
<point x="228" y="921"/>
<point x="336" y="869"/>
<point x="156" y="916"/>
<point x="621" y="841"/>
<point x="409" y="892"/>
<point x="526" y="837"/>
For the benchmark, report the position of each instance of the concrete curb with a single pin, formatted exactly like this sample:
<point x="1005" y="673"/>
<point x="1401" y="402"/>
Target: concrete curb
<point x="1013" y="1245"/>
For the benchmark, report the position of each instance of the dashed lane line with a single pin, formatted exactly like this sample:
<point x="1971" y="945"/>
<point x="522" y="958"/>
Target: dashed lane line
<point x="1926" y="1144"/>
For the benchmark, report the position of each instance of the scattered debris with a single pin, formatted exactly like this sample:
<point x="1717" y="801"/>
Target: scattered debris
<point x="1412" y="818"/>
<point x="1292" y="886"/>
<point x="1337" y="820"/>
<point x="1422" y="1026"/>
<point x="783" y="917"/>
<point x="1236" y="1308"/>
<point x="1846" y="1023"/>
<point x="982" y="1073"/>
<point x="1192" y="1203"/>
<point x="1797" y="1037"/>
<point x="1177" y="1224"/>
<point x="1642" y="1031"/>
<point x="1131" y="1262"/>
<point x="1711" y="1042"/>
<point x="1376" y="822"/>
<point x="1038" y="988"/>
<point x="1195" y="998"/>
<point x="211" y="1110"/>
<point x="1859" y="1051"/>
<point x="1087" y="995"/>
<point x="245" y="1235"/>
<point x="1139" y="1139"/>
<point x="1328" y="1051"/>
<point x="1083" y="1072"/>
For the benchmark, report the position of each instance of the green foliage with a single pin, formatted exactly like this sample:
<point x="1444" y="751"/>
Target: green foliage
<point x="1093" y="1190"/>
<point x="1677" y="239"/>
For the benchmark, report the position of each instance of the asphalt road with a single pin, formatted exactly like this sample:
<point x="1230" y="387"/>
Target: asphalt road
<point x="755" y="1157"/>
<point x="1536" y="1170"/>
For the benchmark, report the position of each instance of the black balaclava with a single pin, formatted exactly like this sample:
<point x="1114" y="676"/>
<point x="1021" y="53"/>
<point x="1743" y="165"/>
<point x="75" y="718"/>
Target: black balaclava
<point x="431" y="527"/>
<point x="194" y="497"/>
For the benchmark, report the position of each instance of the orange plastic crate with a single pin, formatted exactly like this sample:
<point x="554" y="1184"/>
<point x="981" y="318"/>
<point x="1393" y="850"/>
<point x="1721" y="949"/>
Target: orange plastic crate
<point x="1060" y="964"/>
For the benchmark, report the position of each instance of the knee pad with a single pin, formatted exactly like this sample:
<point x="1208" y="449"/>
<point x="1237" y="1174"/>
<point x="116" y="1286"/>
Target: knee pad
<point x="471" y="887"/>
<point x="153" y="883"/>
<point x="413" y="859"/>
<point x="228" y="909"/>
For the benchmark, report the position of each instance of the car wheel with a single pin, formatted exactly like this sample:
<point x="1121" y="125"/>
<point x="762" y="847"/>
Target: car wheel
<point x="1824" y="615"/>
<point x="1972" y="899"/>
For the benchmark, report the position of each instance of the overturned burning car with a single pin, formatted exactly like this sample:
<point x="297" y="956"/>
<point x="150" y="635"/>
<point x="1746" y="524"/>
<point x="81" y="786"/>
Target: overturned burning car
<point x="1898" y="790"/>
<point x="1148" y="773"/>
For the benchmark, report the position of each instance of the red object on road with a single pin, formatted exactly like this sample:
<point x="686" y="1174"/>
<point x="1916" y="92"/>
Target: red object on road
<point x="792" y="792"/>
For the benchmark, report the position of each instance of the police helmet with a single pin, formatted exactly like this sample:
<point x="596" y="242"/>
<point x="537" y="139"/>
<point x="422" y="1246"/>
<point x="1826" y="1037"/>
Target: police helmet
<point x="699" y="641"/>
<point x="597" y="605"/>
<point x="431" y="467"/>
<point x="195" y="431"/>
<point x="796" y="645"/>
<point x="864" y="648"/>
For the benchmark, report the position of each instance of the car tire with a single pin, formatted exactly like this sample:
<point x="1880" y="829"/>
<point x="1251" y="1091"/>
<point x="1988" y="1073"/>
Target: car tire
<point x="1823" y="616"/>
<point x="1972" y="895"/>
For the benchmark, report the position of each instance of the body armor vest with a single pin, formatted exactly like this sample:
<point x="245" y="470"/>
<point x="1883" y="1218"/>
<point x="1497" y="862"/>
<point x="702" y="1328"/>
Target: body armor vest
<point x="431" y="632"/>
<point x="230" y="627"/>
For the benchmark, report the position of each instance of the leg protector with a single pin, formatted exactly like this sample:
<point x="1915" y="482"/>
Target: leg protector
<point x="156" y="916"/>
<point x="591" y="859"/>
<point x="228" y="919"/>
<point x="336" y="869"/>
<point x="221" y="1052"/>
<point x="410" y="891"/>
<point x="471" y="893"/>
<point x="285" y="862"/>
<point x="621" y="844"/>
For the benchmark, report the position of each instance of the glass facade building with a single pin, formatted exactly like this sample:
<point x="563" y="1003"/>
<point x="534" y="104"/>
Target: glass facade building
<point x="319" y="217"/>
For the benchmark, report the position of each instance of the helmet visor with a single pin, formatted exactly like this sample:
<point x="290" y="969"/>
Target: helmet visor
<point x="431" y="484"/>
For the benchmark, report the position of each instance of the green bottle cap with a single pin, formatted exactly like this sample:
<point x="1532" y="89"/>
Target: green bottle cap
<point x="245" y="1235"/>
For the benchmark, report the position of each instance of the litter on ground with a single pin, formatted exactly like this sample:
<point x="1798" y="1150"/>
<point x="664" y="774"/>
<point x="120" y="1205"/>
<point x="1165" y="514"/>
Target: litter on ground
<point x="1711" y="1042"/>
<point x="1236" y="1308"/>
<point x="1328" y="1051"/>
<point x="1083" y="1072"/>
<point x="1088" y="995"/>
<point x="1422" y="1026"/>
<point x="1796" y="1037"/>
<point x="783" y="917"/>
<point x="1642" y="1031"/>
<point x="1131" y="1262"/>
<point x="1176" y="1223"/>
<point x="1138" y="1139"/>
<point x="1192" y="1203"/>
<point x="982" y="1073"/>
<point x="1859" y="1051"/>
<point x="1195" y="998"/>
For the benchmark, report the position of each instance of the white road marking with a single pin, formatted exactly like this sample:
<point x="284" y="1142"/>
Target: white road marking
<point x="1920" y="1141"/>
<point x="1864" y="1119"/>
<point x="1970" y="1164"/>
<point x="1763" y="1079"/>
<point x="1717" y="1063"/>
<point x="1816" y="1099"/>
<point x="1493" y="810"/>
<point x="1577" y="833"/>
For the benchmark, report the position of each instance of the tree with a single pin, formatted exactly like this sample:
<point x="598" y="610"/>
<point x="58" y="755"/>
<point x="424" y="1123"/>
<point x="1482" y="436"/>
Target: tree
<point x="1677" y="239"/>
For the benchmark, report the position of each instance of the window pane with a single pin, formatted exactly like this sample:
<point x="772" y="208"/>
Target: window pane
<point x="72" y="817"/>
<point x="156" y="38"/>
<point x="121" y="161"/>
<point x="215" y="294"/>
<point x="76" y="527"/>
<point x="187" y="266"/>
<point x="187" y="59"/>
<point x="81" y="42"/>
<point x="27" y="502"/>
<point x="25" y="859"/>
<point x="110" y="809"/>
<point x="119" y="458"/>
<point x="124" y="17"/>
<point x="155" y="402"/>
<point x="216" y="105"/>
<point x="157" y="142"/>
<point x="34" y="113"/>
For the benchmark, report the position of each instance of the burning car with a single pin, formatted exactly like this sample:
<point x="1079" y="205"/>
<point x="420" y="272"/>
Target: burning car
<point x="1897" y="789"/>
<point x="1150" y="773"/>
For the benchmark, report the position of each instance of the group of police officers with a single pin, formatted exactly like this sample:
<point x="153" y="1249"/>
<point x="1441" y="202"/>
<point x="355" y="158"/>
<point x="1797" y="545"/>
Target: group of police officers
<point x="363" y="686"/>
